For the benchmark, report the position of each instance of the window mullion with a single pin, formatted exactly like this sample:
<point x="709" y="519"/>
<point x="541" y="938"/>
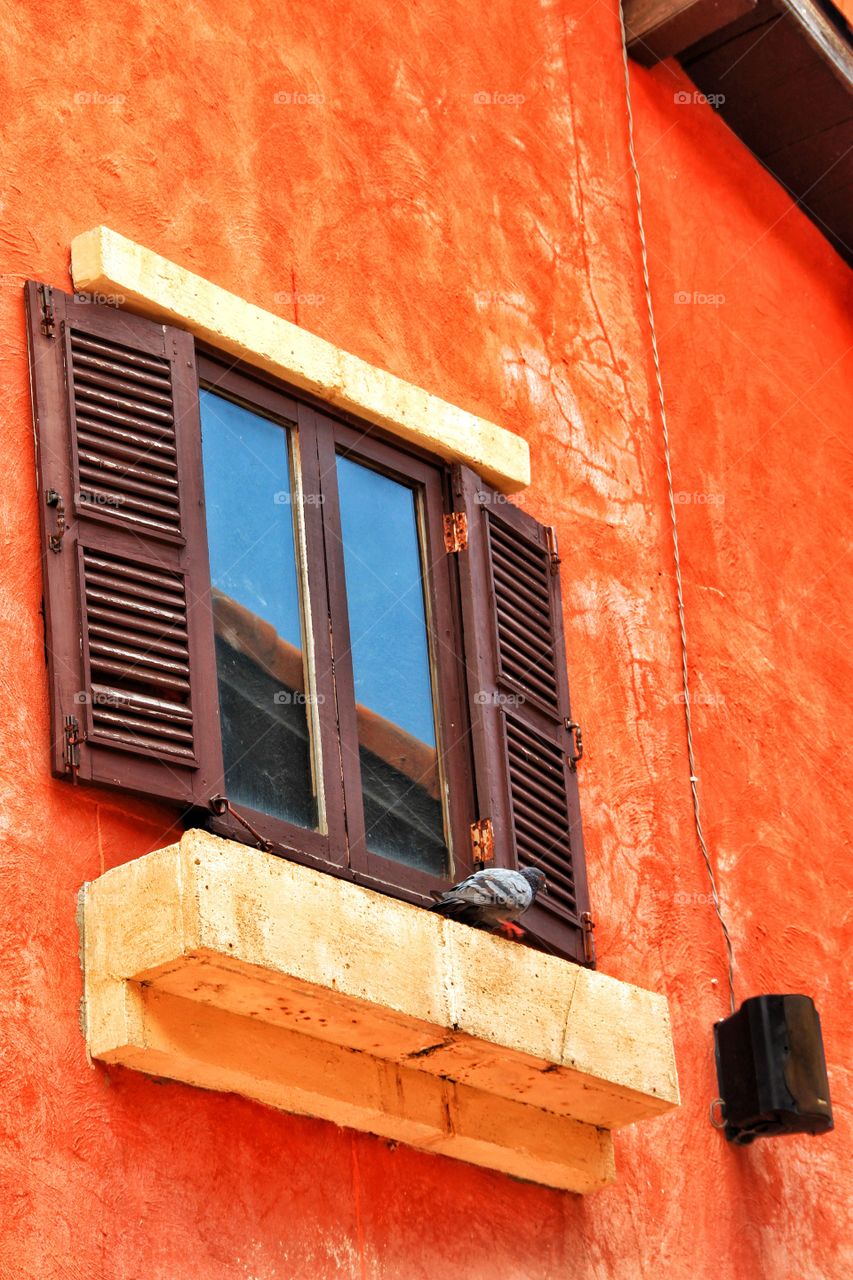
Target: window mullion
<point x="338" y="721"/>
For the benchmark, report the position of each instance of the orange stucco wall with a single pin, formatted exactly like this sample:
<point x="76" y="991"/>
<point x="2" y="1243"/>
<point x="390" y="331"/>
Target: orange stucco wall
<point x="487" y="251"/>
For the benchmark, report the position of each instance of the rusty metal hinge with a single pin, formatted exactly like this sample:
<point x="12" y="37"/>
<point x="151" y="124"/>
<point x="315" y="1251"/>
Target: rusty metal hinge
<point x="588" y="926"/>
<point x="577" y="744"/>
<point x="553" y="556"/>
<point x="48" y="317"/>
<point x="71" y="746"/>
<point x="456" y="532"/>
<point x="483" y="840"/>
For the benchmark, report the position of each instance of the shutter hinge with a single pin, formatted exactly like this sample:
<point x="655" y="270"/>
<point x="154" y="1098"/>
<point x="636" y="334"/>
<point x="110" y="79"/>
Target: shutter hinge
<point x="588" y="927"/>
<point x="456" y="532"/>
<point x="577" y="744"/>
<point x="553" y="556"/>
<point x="71" y="746"/>
<point x="483" y="840"/>
<point x="48" y="318"/>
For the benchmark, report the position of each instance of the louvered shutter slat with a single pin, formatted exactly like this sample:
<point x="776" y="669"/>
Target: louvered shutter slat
<point x="127" y="595"/>
<point x="519" y="702"/>
<point x="124" y="421"/>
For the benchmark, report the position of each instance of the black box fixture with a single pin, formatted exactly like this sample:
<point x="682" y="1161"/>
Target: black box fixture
<point x="771" y="1069"/>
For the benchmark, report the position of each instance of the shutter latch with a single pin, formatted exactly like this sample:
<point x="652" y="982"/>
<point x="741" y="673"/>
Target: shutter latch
<point x="221" y="804"/>
<point x="48" y="318"/>
<point x="577" y="744"/>
<point x="588" y="926"/>
<point x="483" y="840"/>
<point x="456" y="532"/>
<point x="551" y="535"/>
<point x="54" y="499"/>
<point x="71" y="746"/>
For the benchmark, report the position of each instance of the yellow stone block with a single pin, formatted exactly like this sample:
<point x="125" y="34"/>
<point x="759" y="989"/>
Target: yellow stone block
<point x="102" y="261"/>
<point x="228" y="968"/>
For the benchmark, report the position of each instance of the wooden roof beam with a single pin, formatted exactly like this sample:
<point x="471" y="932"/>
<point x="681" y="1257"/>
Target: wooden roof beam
<point x="659" y="29"/>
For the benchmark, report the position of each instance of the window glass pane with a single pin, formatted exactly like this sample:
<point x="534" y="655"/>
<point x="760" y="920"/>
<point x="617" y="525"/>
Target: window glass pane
<point x="266" y="726"/>
<point x="400" y="778"/>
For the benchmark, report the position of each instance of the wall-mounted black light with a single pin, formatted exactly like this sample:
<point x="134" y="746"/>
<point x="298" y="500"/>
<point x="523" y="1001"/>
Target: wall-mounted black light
<point x="771" y="1069"/>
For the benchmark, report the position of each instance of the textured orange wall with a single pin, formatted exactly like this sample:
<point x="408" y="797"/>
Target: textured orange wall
<point x="487" y="251"/>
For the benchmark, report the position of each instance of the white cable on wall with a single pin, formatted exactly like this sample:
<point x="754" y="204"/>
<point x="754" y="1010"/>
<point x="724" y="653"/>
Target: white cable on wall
<point x="679" y="588"/>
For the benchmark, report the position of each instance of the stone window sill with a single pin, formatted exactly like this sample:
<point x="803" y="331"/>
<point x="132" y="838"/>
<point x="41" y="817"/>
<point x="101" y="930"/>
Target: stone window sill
<point x="230" y="969"/>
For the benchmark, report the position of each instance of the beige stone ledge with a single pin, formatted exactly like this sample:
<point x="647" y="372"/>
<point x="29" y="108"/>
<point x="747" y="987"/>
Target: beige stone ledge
<point x="102" y="261"/>
<point x="224" y="967"/>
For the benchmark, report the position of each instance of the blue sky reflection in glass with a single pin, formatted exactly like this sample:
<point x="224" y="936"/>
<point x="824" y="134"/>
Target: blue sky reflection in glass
<point x="385" y="599"/>
<point x="266" y="729"/>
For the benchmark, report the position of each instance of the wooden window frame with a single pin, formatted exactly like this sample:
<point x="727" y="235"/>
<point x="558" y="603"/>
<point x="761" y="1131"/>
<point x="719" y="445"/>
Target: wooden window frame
<point x="319" y="436"/>
<point x="119" y="467"/>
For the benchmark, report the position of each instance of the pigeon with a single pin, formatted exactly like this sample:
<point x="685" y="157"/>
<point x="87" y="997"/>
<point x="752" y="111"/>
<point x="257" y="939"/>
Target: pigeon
<point x="491" y="899"/>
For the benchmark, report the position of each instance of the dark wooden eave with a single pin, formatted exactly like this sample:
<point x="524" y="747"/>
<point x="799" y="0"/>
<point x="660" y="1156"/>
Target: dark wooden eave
<point x="780" y="73"/>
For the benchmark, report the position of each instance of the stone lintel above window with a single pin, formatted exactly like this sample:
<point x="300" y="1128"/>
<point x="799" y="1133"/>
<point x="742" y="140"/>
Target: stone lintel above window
<point x="108" y="265"/>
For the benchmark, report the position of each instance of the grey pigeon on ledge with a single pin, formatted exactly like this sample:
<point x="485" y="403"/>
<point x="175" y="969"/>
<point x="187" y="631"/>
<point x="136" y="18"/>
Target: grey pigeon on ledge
<point x="491" y="899"/>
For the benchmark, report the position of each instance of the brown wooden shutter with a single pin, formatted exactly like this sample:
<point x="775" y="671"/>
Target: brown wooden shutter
<point x="127" y="584"/>
<point x="519" y="702"/>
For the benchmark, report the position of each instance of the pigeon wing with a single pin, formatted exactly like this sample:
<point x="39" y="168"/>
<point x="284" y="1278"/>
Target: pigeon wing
<point x="493" y="895"/>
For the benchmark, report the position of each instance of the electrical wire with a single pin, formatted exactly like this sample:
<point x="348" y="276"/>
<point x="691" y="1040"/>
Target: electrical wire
<point x="679" y="587"/>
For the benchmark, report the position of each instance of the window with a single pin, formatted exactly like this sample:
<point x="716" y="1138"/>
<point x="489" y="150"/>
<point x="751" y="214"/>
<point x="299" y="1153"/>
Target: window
<point x="252" y="598"/>
<point x="341" y="711"/>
